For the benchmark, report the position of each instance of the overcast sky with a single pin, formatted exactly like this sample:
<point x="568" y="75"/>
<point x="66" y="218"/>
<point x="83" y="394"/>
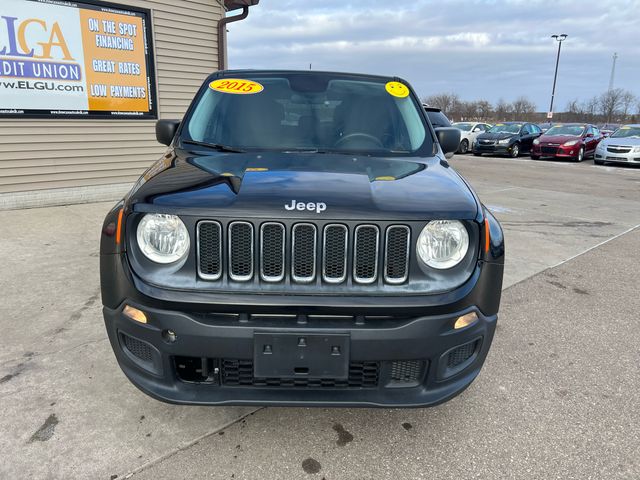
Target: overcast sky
<point x="488" y="49"/>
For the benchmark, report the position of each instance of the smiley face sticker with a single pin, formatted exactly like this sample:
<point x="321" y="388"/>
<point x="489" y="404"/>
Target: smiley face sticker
<point x="397" y="89"/>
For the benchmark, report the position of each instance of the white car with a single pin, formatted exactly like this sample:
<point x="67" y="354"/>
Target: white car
<point x="470" y="130"/>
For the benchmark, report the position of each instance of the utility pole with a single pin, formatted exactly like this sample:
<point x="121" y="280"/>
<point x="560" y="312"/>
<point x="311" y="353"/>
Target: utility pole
<point x="559" y="38"/>
<point x="613" y="71"/>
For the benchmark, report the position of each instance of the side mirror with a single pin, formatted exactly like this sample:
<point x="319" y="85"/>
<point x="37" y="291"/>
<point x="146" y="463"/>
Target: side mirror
<point x="477" y="129"/>
<point x="166" y="130"/>
<point x="589" y="135"/>
<point x="449" y="140"/>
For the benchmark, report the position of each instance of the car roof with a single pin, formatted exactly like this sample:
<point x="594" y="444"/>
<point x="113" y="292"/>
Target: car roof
<point x="571" y="124"/>
<point x="632" y="125"/>
<point x="227" y="73"/>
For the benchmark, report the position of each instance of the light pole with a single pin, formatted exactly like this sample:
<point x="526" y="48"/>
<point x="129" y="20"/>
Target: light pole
<point x="559" y="38"/>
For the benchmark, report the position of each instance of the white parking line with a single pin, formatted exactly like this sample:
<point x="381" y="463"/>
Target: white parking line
<point x="595" y="246"/>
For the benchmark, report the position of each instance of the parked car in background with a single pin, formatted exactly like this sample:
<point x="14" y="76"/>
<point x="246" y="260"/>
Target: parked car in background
<point x="608" y="128"/>
<point x="623" y="146"/>
<point x="575" y="141"/>
<point x="508" y="138"/>
<point x="436" y="117"/>
<point x="470" y="131"/>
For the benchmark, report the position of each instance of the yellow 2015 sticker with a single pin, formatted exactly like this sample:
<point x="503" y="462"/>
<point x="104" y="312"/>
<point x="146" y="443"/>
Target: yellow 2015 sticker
<point x="397" y="89"/>
<point x="236" y="86"/>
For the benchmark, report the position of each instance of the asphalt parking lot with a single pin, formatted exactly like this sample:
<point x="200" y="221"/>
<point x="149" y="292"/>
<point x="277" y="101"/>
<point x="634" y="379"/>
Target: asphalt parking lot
<point x="559" y="396"/>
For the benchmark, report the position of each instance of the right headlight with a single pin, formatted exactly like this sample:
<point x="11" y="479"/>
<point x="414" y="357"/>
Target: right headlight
<point x="443" y="244"/>
<point x="163" y="238"/>
<point x="536" y="142"/>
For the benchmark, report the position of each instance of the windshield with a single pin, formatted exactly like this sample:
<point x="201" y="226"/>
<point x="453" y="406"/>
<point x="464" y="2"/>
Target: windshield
<point x="465" y="127"/>
<point x="627" y="132"/>
<point x="568" y="130"/>
<point x="504" y="128"/>
<point x="308" y="112"/>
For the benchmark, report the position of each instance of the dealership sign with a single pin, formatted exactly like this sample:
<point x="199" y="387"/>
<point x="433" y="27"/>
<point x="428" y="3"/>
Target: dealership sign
<point x="75" y="59"/>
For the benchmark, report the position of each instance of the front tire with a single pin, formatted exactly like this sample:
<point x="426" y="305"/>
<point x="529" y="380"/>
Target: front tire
<point x="464" y="146"/>
<point x="535" y="157"/>
<point x="580" y="156"/>
<point x="515" y="150"/>
<point x="598" y="162"/>
<point x="475" y="154"/>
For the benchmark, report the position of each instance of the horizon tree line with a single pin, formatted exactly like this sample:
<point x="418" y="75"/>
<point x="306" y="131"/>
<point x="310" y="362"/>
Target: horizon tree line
<point x="614" y="106"/>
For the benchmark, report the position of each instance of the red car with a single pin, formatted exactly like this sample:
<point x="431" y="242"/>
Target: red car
<point x="575" y="141"/>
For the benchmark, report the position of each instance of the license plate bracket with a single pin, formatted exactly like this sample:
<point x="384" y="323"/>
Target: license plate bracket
<point x="301" y="355"/>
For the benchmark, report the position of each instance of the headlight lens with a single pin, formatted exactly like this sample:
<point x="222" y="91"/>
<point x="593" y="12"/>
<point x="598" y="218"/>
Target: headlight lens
<point x="163" y="238"/>
<point x="570" y="143"/>
<point x="443" y="244"/>
<point x="536" y="142"/>
<point x="636" y="149"/>
<point x="505" y="141"/>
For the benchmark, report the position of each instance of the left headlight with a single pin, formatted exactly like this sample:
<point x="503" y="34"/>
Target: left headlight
<point x="163" y="238"/>
<point x="636" y="149"/>
<point x="443" y="244"/>
<point x="570" y="143"/>
<point x="504" y="142"/>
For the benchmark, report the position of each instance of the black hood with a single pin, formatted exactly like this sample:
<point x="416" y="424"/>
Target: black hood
<point x="497" y="136"/>
<point x="246" y="185"/>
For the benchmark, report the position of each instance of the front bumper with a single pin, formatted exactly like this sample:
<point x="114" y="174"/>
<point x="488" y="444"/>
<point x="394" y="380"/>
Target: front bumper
<point x="387" y="337"/>
<point x="496" y="149"/>
<point x="630" y="158"/>
<point x="553" y="151"/>
<point x="423" y="345"/>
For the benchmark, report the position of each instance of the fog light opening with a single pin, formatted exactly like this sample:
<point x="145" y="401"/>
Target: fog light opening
<point x="169" y="336"/>
<point x="466" y="320"/>
<point x="135" y="314"/>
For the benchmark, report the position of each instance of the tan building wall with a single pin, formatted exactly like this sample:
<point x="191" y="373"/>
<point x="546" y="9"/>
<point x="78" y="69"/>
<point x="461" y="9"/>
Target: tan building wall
<point x="45" y="154"/>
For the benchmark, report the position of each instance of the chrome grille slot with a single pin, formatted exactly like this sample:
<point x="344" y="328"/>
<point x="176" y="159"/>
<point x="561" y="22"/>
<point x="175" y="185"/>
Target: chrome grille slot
<point x="302" y="253"/>
<point x="334" y="258"/>
<point x="303" y="247"/>
<point x="210" y="250"/>
<point x="241" y="251"/>
<point x="396" y="260"/>
<point x="365" y="254"/>
<point x="272" y="236"/>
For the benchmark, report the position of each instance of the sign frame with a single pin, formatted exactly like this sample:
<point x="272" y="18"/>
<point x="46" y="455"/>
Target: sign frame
<point x="152" y="88"/>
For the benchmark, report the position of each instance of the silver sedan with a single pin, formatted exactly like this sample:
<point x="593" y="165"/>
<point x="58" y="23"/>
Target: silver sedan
<point x="470" y="130"/>
<point x="623" y="146"/>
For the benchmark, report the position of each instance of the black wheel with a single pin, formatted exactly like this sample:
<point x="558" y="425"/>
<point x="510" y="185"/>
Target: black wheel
<point x="598" y="162"/>
<point x="535" y="157"/>
<point x="464" y="146"/>
<point x="515" y="150"/>
<point x="580" y="156"/>
<point x="476" y="154"/>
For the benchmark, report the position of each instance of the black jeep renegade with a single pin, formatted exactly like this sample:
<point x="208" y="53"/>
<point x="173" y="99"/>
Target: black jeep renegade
<point x="303" y="241"/>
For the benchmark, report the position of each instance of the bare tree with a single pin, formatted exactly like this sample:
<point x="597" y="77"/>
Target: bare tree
<point x="469" y="110"/>
<point x="590" y="108"/>
<point x="485" y="109"/>
<point x="523" y="107"/>
<point x="610" y="103"/>
<point x="503" y="110"/>
<point x="627" y="101"/>
<point x="444" y="101"/>
<point x="575" y="111"/>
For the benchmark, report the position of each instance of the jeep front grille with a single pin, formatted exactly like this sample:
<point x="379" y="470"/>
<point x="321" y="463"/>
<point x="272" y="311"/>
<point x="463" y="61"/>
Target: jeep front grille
<point x="303" y="253"/>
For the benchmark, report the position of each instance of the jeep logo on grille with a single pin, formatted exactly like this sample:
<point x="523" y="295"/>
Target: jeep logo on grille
<point x="310" y="206"/>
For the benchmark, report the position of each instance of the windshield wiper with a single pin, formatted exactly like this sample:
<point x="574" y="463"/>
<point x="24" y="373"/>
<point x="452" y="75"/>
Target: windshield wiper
<point x="217" y="146"/>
